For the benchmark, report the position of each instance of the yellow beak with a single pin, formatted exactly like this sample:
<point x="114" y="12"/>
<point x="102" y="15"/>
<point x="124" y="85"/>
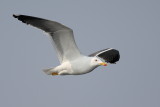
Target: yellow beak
<point x="103" y="63"/>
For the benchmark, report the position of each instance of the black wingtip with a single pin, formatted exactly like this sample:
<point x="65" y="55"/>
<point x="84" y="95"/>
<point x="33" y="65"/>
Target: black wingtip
<point x="21" y="18"/>
<point x="15" y="16"/>
<point x="112" y="56"/>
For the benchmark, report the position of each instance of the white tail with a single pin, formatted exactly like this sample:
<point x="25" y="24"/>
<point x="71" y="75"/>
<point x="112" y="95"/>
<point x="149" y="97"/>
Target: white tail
<point x="48" y="71"/>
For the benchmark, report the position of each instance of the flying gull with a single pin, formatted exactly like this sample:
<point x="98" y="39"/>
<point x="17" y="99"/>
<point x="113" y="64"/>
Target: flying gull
<point x="72" y="62"/>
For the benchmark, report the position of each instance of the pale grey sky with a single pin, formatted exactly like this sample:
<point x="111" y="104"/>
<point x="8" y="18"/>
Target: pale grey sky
<point x="131" y="26"/>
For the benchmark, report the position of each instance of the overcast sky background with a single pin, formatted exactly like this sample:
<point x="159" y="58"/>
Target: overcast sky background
<point x="131" y="26"/>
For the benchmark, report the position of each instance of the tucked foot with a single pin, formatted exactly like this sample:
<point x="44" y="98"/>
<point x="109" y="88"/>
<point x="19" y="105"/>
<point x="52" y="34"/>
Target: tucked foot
<point x="54" y="73"/>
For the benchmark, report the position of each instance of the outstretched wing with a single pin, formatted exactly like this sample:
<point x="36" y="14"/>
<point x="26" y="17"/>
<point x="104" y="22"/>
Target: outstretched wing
<point x="62" y="36"/>
<point x="109" y="55"/>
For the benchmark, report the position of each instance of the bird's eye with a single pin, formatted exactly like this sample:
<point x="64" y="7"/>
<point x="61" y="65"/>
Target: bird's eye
<point x="95" y="59"/>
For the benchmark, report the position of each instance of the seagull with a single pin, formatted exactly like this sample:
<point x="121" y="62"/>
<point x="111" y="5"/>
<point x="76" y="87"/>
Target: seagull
<point x="72" y="62"/>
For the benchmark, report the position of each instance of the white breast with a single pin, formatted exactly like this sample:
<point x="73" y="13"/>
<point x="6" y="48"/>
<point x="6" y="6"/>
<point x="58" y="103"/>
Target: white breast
<point x="81" y="66"/>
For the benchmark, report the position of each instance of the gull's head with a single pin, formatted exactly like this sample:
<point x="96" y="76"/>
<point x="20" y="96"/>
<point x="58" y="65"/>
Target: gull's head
<point x="97" y="62"/>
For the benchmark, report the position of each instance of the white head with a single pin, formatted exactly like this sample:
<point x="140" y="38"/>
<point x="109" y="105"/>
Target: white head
<point x="97" y="62"/>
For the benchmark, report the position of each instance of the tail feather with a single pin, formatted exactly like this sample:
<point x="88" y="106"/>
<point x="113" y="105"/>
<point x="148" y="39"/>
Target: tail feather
<point x="48" y="71"/>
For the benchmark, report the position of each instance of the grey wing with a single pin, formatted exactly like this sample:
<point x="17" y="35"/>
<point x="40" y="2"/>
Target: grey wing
<point x="62" y="36"/>
<point x="109" y="55"/>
